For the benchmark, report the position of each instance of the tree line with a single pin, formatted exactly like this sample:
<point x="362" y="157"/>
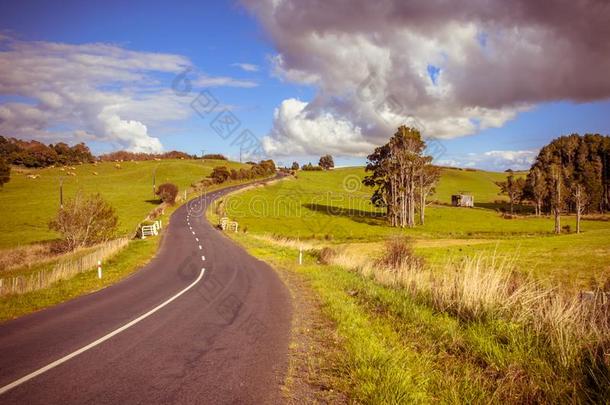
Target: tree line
<point x="36" y="154"/>
<point x="221" y="174"/>
<point x="570" y="175"/>
<point x="402" y="177"/>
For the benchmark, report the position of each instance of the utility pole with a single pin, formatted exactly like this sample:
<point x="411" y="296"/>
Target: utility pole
<point x="154" y="189"/>
<point x="61" y="192"/>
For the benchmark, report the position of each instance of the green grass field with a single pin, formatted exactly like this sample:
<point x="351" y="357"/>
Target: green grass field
<point x="333" y="207"/>
<point x="396" y="347"/>
<point x="29" y="204"/>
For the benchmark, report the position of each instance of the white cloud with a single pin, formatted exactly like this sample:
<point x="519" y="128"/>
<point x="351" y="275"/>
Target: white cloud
<point x="295" y="132"/>
<point x="90" y="92"/>
<point x="369" y="61"/>
<point x="224" y="81"/>
<point x="248" y="67"/>
<point x="495" y="160"/>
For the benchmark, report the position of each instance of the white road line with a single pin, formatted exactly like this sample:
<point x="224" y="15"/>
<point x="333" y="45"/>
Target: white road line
<point x="193" y="232"/>
<point x="98" y="341"/>
<point x="200" y="247"/>
<point x="203" y="258"/>
<point x="197" y="239"/>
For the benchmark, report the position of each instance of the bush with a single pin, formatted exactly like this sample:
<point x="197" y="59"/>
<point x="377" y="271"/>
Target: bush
<point x="399" y="253"/>
<point x="5" y="172"/>
<point x="85" y="221"/>
<point x="311" y="168"/>
<point x="325" y="256"/>
<point x="167" y="192"/>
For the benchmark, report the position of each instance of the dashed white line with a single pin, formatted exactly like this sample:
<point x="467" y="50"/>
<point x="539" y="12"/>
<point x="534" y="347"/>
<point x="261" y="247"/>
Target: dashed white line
<point x="197" y="239"/>
<point x="98" y="341"/>
<point x="203" y="258"/>
<point x="200" y="247"/>
<point x="193" y="232"/>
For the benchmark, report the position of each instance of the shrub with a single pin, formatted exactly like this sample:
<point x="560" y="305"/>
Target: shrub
<point x="326" y="255"/>
<point x="295" y="166"/>
<point x="85" y="221"/>
<point x="5" y="172"/>
<point x="167" y="192"/>
<point x="399" y="254"/>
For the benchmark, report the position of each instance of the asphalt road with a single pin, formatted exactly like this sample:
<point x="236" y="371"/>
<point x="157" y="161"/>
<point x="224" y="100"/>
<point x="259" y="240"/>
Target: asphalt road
<point x="202" y="323"/>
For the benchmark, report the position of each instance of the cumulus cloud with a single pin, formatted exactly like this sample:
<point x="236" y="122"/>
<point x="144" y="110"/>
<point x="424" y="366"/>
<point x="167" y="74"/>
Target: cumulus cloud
<point x="56" y="91"/>
<point x="248" y="67"/>
<point x="455" y="67"/>
<point x="495" y="160"/>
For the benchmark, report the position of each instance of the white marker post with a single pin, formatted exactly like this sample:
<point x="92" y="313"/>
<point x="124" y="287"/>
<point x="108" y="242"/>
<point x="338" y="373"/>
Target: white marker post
<point x="99" y="269"/>
<point x="300" y="255"/>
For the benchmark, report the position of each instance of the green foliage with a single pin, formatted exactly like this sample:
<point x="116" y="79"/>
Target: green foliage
<point x="214" y="156"/>
<point x="36" y="154"/>
<point x="295" y="166"/>
<point x="311" y="168"/>
<point x="265" y="168"/>
<point x="326" y="162"/>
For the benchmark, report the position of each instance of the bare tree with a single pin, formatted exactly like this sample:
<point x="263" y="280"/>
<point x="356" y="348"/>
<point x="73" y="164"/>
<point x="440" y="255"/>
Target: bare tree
<point x="556" y="198"/>
<point x="427" y="179"/>
<point x="85" y="221"/>
<point x="513" y="188"/>
<point x="580" y="202"/>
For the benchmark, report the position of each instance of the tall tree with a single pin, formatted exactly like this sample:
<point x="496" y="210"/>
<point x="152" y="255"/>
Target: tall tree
<point x="556" y="196"/>
<point x="513" y="188"/>
<point x="326" y="162"/>
<point x="428" y="176"/>
<point x="396" y="169"/>
<point x="536" y="188"/>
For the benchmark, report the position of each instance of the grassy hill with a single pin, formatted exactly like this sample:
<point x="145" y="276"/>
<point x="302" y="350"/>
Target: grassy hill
<point x="333" y="207"/>
<point x="29" y="204"/>
<point x="488" y="334"/>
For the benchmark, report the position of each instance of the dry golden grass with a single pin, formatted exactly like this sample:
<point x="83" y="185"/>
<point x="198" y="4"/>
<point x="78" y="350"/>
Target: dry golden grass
<point x="485" y="288"/>
<point x="66" y="268"/>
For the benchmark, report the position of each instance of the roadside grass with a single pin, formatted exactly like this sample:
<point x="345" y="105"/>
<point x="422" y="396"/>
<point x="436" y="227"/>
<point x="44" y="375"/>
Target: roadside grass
<point x="29" y="204"/>
<point x="399" y="348"/>
<point x="134" y="256"/>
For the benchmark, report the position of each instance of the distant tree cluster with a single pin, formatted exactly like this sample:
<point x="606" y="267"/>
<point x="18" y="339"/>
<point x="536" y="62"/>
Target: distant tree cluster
<point x="123" y="155"/>
<point x="311" y="168"/>
<point x="402" y="177"/>
<point x="214" y="156"/>
<point x="326" y="162"/>
<point x="513" y="188"/>
<point x="571" y="174"/>
<point x="36" y="154"/>
<point x="220" y="174"/>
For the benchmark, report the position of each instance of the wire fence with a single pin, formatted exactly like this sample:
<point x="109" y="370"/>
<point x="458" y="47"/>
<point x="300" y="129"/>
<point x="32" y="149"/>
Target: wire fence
<point x="63" y="270"/>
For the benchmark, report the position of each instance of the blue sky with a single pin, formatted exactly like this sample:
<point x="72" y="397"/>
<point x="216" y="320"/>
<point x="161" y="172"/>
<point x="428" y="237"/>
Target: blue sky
<point x="216" y="36"/>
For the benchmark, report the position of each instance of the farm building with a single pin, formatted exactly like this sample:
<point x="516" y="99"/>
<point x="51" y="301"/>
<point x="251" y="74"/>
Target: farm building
<point x="462" y="200"/>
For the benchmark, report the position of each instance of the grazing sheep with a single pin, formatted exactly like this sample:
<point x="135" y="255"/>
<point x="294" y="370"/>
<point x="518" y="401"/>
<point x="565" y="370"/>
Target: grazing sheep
<point x="117" y="166"/>
<point x="32" y="176"/>
<point x="95" y="173"/>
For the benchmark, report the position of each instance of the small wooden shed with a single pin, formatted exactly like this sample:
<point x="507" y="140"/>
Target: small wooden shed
<point x="462" y="200"/>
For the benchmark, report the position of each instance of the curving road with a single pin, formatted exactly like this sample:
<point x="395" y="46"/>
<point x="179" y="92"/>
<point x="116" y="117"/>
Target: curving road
<point x="203" y="322"/>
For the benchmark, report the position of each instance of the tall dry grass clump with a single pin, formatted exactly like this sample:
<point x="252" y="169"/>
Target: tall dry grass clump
<point x="569" y="332"/>
<point x="63" y="270"/>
